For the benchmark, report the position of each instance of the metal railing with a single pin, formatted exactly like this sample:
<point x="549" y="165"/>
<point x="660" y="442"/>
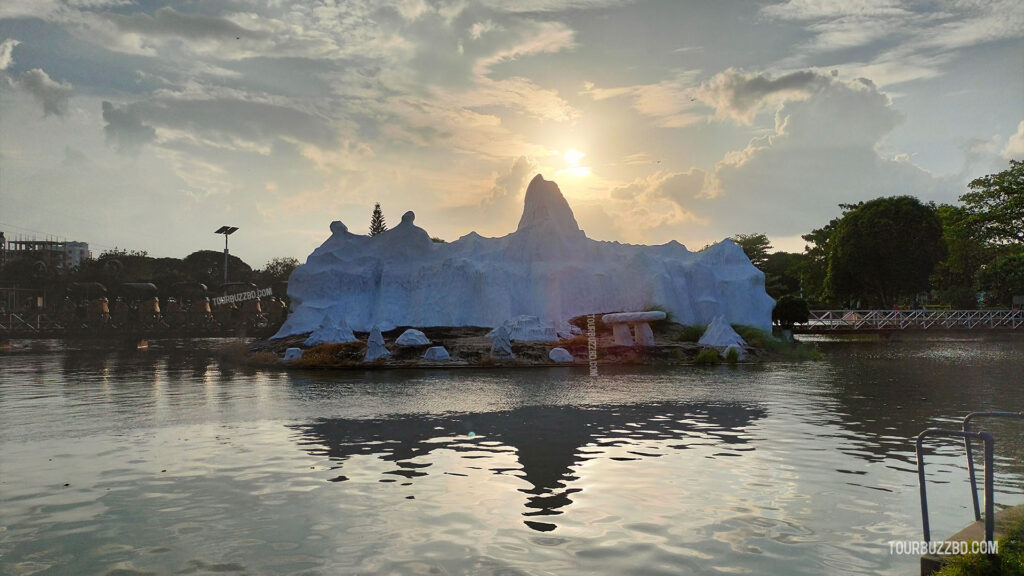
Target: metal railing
<point x="970" y="457"/>
<point x="851" y="320"/>
<point x="989" y="480"/>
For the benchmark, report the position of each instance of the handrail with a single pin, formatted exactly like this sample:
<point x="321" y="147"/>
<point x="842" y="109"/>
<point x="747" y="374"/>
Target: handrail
<point x="916" y="319"/>
<point x="989" y="480"/>
<point x="970" y="457"/>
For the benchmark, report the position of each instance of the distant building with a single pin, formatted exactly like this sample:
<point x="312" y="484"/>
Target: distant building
<point x="55" y="254"/>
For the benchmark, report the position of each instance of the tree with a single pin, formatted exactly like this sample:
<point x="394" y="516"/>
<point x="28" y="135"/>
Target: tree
<point x="1003" y="278"/>
<point x="278" y="270"/>
<point x="755" y="246"/>
<point x="814" y="268"/>
<point x="207" y="266"/>
<point x="377" y="224"/>
<point x="954" y="278"/>
<point x="782" y="271"/>
<point x="790" y="310"/>
<point x="996" y="205"/>
<point x="884" y="250"/>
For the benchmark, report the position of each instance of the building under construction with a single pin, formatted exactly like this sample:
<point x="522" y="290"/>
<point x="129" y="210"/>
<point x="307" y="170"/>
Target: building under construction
<point x="55" y="254"/>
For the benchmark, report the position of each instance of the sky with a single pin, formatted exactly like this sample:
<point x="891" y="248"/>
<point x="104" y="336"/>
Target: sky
<point x="148" y="125"/>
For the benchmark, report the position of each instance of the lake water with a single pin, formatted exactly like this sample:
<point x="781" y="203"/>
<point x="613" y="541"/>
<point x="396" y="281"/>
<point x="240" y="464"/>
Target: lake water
<point x="165" y="462"/>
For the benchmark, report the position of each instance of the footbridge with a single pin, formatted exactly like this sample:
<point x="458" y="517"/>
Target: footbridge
<point x="868" y="321"/>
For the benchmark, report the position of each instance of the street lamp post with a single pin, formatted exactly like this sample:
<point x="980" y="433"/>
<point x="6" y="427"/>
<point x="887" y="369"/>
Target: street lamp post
<point x="226" y="231"/>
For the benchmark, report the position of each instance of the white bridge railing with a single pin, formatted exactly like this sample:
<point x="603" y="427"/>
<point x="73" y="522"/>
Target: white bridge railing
<point x="846" y="320"/>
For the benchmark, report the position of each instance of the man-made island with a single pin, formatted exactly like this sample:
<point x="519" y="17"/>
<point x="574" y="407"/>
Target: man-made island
<point x="471" y="295"/>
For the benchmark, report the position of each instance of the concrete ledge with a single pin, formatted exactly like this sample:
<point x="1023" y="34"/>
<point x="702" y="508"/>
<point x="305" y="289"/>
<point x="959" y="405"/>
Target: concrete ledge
<point x="973" y="532"/>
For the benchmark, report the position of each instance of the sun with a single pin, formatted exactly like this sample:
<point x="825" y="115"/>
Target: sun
<point x="573" y="168"/>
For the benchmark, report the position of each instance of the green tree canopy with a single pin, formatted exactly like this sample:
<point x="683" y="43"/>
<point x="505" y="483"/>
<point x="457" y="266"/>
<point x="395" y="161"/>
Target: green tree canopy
<point x="782" y="272"/>
<point x="1003" y="278"/>
<point x="996" y="205"/>
<point x="755" y="246"/>
<point x="954" y="278"/>
<point x="883" y="250"/>
<point x="207" y="266"/>
<point x="814" y="268"/>
<point x="278" y="269"/>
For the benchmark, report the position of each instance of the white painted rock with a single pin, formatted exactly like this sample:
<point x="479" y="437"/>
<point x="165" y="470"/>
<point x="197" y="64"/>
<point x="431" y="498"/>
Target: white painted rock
<point x="292" y="354"/>
<point x="633" y="317"/>
<point x="720" y="334"/>
<point x="501" y="347"/>
<point x="644" y="334"/>
<point x="436" y="354"/>
<point x="560" y="355"/>
<point x="332" y="328"/>
<point x="622" y="335"/>
<point x="375" y="346"/>
<point x="527" y="329"/>
<point x="547" y="268"/>
<point x="412" y="337"/>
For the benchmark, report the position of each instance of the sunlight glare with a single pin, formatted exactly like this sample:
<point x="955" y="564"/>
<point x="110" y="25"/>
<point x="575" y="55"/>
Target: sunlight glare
<point x="572" y="158"/>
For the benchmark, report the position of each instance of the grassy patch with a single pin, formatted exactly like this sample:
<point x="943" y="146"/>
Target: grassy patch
<point x="732" y="355"/>
<point x="1009" y="562"/>
<point x="707" y="357"/>
<point x="690" y="333"/>
<point x="331" y="353"/>
<point x="758" y="338"/>
<point x="262" y="359"/>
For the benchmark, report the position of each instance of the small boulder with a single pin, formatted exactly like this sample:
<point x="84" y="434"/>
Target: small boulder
<point x="721" y="335"/>
<point x="436" y="354"/>
<point x="527" y="329"/>
<point x="332" y="329"/>
<point x="501" y="347"/>
<point x="560" y="355"/>
<point x="412" y="337"/>
<point x="292" y="354"/>
<point x="375" y="349"/>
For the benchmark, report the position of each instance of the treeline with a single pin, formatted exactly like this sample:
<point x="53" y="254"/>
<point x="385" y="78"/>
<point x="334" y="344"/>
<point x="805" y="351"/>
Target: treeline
<point x="114" y="267"/>
<point x="898" y="251"/>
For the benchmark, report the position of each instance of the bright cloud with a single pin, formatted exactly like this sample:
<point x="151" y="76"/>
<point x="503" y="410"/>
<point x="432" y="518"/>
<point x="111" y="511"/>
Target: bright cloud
<point x="695" y="121"/>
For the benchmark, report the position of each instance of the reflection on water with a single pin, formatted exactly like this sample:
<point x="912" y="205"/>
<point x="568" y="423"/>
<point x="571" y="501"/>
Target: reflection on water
<point x="548" y="441"/>
<point x="165" y="461"/>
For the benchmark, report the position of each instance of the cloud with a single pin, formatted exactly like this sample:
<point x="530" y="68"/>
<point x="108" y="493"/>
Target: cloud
<point x="822" y="153"/>
<point x="740" y="96"/>
<point x="125" y="130"/>
<point x="906" y="41"/>
<point x="6" y="48"/>
<point x="167" y="21"/>
<point x="652" y="207"/>
<point x="670" y="102"/>
<point x="478" y="29"/>
<point x="518" y="94"/>
<point x="548" y="5"/>
<point x="1015" y="146"/>
<point x="509" y="185"/>
<point x="815" y="9"/>
<point x="546" y="37"/>
<point x="52" y="95"/>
